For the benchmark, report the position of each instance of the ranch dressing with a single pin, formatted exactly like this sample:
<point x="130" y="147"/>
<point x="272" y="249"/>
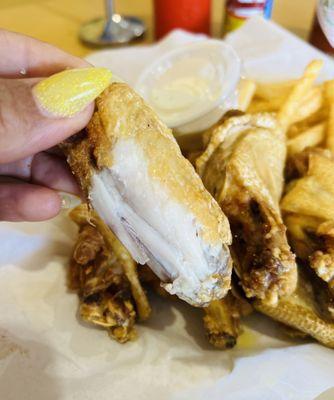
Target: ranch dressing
<point x="191" y="86"/>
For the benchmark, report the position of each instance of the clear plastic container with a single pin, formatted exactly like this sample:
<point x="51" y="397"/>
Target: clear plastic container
<point x="192" y="86"/>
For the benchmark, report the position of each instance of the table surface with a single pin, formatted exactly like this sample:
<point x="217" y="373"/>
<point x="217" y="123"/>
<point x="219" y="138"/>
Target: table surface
<point x="58" y="21"/>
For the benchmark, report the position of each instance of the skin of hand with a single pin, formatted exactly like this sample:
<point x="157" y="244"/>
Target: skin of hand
<point x="31" y="173"/>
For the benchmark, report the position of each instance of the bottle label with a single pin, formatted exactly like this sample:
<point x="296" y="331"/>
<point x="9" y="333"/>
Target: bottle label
<point x="238" y="11"/>
<point x="325" y="13"/>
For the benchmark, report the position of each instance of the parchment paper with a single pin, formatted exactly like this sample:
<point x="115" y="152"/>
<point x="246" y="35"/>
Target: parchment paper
<point x="47" y="353"/>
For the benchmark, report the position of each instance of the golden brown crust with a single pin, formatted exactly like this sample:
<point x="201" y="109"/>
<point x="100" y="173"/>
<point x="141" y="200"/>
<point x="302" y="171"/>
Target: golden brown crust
<point x="122" y="115"/>
<point x="300" y="312"/>
<point x="78" y="152"/>
<point x="105" y="277"/>
<point x="242" y="167"/>
<point x="101" y="142"/>
<point x="112" y="312"/>
<point x="89" y="244"/>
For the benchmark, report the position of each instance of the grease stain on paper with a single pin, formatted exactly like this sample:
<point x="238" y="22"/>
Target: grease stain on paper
<point x="8" y="347"/>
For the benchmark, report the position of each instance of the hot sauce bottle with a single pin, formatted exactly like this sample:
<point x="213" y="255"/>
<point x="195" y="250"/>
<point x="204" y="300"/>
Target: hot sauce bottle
<point x="190" y="15"/>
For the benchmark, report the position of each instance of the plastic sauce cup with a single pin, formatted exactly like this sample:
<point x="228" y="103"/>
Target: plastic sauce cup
<point x="192" y="86"/>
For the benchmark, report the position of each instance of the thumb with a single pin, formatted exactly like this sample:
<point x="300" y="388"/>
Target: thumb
<point x="37" y="114"/>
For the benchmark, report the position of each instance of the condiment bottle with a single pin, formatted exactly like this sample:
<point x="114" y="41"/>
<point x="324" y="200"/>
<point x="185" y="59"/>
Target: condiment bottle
<point x="323" y="21"/>
<point x="238" y="11"/>
<point x="190" y="15"/>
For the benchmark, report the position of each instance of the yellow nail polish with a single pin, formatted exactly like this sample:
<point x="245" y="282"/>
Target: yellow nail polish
<point x="70" y="91"/>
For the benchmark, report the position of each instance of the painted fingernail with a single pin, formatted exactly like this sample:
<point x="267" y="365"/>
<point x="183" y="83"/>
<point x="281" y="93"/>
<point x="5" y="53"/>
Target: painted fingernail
<point x="68" y="92"/>
<point x="69" y="200"/>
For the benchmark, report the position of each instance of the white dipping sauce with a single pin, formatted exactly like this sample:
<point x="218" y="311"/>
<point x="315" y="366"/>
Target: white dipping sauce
<point x="190" y="82"/>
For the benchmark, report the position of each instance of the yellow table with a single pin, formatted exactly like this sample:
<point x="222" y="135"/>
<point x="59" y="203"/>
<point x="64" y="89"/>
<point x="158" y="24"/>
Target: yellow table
<point x="58" y="21"/>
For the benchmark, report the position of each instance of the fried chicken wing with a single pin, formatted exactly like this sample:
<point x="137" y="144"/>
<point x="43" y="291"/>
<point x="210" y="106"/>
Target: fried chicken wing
<point x="242" y="167"/>
<point x="300" y="311"/>
<point x="105" y="277"/>
<point x="135" y="177"/>
<point x="113" y="311"/>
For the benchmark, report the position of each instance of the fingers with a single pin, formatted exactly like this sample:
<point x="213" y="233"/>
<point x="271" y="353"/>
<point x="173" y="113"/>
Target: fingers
<point x="26" y="202"/>
<point x="43" y="169"/>
<point x="32" y="57"/>
<point x="35" y="113"/>
<point x="18" y="169"/>
<point x="24" y="129"/>
<point x="51" y="171"/>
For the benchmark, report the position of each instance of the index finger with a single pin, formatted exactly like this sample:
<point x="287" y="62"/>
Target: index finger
<point x="22" y="55"/>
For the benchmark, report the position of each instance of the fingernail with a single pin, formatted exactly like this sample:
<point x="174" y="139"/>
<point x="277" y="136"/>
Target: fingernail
<point x="68" y="92"/>
<point x="69" y="200"/>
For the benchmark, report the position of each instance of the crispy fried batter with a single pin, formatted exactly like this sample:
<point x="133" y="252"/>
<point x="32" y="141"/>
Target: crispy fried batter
<point x="111" y="311"/>
<point x="122" y="256"/>
<point x="248" y="188"/>
<point x="88" y="245"/>
<point x="105" y="277"/>
<point x="322" y="260"/>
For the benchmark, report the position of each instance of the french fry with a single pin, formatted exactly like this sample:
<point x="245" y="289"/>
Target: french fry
<point x="329" y="96"/>
<point x="269" y="97"/>
<point x="318" y="117"/>
<point x="246" y="90"/>
<point x="260" y="105"/>
<point x="311" y="103"/>
<point x="287" y="113"/>
<point x="268" y="91"/>
<point x="309" y="138"/>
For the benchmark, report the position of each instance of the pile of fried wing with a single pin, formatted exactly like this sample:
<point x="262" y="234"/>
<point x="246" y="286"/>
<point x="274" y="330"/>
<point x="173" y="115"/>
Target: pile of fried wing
<point x="270" y="167"/>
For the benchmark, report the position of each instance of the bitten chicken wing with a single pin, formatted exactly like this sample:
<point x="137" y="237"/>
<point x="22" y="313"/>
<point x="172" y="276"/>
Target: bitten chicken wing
<point x="105" y="277"/>
<point x="135" y="177"/>
<point x="242" y="167"/>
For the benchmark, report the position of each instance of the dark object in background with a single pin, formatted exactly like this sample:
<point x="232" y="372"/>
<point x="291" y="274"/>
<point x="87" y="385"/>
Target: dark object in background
<point x="318" y="38"/>
<point x="190" y="15"/>
<point x="111" y="29"/>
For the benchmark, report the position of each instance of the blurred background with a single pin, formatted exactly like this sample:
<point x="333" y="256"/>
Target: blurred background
<point x="59" y="21"/>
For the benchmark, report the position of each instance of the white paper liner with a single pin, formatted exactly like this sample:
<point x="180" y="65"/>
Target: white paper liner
<point x="47" y="353"/>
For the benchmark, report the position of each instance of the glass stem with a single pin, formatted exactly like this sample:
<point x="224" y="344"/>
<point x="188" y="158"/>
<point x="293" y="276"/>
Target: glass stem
<point x="109" y="7"/>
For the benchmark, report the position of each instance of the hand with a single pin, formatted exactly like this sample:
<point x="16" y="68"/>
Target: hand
<point x="27" y="133"/>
